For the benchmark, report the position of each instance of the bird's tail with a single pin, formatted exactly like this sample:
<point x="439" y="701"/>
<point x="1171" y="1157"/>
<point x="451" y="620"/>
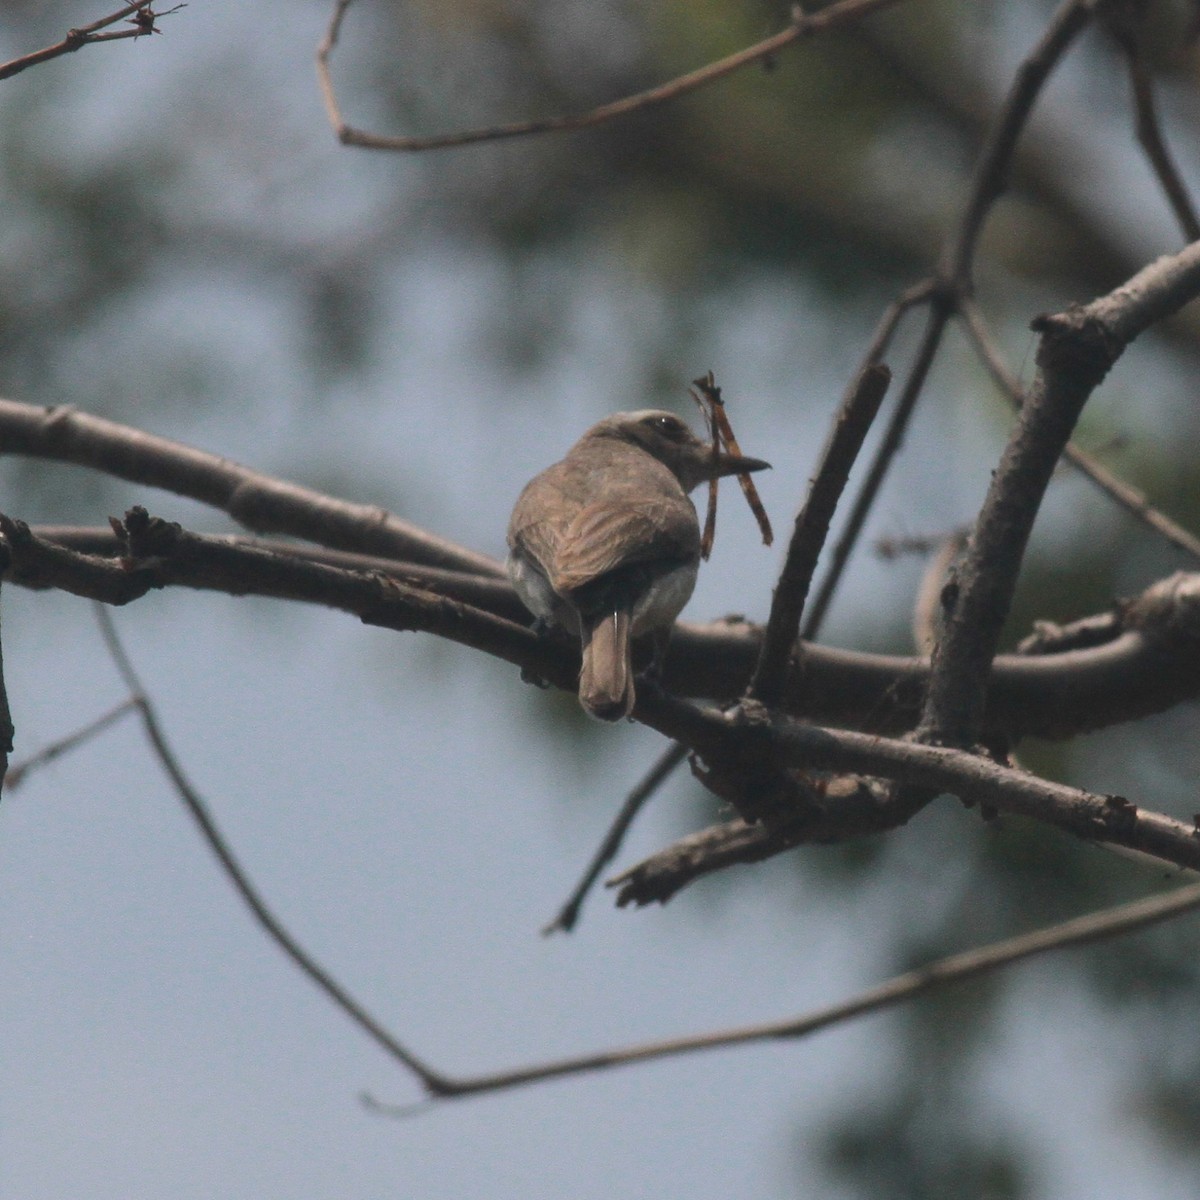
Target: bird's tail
<point x="606" y="680"/>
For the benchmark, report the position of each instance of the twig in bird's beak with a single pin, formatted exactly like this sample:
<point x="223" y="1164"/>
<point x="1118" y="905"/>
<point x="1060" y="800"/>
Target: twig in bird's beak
<point x="708" y="396"/>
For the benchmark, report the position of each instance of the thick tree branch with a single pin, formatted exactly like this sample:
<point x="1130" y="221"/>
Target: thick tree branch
<point x="745" y="741"/>
<point x="1129" y="498"/>
<point x="1147" y="661"/>
<point x="1077" y="349"/>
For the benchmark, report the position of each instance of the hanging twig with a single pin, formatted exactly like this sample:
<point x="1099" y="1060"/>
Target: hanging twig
<point x="662" y="769"/>
<point x="237" y="875"/>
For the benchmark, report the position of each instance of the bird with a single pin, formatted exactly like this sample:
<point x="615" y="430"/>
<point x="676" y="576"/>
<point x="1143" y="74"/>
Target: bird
<point x="605" y="544"/>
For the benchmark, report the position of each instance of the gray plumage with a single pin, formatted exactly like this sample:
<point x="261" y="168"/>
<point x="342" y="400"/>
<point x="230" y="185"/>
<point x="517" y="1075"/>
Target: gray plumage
<point x="606" y="543"/>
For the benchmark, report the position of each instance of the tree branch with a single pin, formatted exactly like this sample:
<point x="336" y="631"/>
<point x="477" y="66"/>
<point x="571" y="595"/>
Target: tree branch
<point x="433" y="1081"/>
<point x="803" y="25"/>
<point x="1122" y="22"/>
<point x="1077" y="349"/>
<point x="87" y="35"/>
<point x="851" y="425"/>
<point x="1147" y="661"/>
<point x="662" y="768"/>
<point x="257" y="501"/>
<point x="955" y="968"/>
<point x="1127" y="497"/>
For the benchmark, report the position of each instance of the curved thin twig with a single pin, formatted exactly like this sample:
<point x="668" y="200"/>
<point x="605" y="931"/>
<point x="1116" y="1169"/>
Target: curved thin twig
<point x="955" y="968"/>
<point x="433" y="1081"/>
<point x="803" y="25"/>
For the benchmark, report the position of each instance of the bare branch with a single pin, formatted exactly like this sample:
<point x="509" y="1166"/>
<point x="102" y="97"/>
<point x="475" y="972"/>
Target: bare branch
<point x="952" y="281"/>
<point x="889" y="446"/>
<point x="746" y="738"/>
<point x="1148" y="660"/>
<point x="851" y="425"/>
<point x="955" y="968"/>
<point x="1123" y="24"/>
<point x="236" y="874"/>
<point x="991" y="172"/>
<point x="1077" y="349"/>
<point x="490" y="592"/>
<point x="803" y="25"/>
<point x="6" y="724"/>
<point x="87" y="35"/>
<point x="257" y="501"/>
<point x="837" y="810"/>
<point x="666" y="763"/>
<point x="1129" y="498"/>
<point x="47" y="754"/>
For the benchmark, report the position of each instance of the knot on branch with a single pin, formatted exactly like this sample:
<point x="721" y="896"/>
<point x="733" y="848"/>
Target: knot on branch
<point x="145" y="536"/>
<point x="1077" y="345"/>
<point x="1118" y="819"/>
<point x="1167" y="611"/>
<point x="746" y="769"/>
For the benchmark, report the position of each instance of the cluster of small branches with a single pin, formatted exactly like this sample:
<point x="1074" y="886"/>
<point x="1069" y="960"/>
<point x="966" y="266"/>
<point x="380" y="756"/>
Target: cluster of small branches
<point x="807" y="744"/>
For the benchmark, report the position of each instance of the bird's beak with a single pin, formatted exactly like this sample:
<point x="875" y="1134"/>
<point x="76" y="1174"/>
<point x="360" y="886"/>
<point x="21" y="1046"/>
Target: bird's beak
<point x="736" y="464"/>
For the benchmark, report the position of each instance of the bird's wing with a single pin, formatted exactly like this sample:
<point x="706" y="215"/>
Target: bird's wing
<point x="606" y="536"/>
<point x="541" y="518"/>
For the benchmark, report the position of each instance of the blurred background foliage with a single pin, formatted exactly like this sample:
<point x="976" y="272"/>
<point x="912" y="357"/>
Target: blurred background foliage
<point x="189" y="240"/>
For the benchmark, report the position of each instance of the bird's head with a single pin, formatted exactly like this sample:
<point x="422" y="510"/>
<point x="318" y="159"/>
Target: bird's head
<point x="669" y="439"/>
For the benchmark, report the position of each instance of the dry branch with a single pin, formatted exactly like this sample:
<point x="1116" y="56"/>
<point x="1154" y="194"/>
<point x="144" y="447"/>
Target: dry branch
<point x="143" y="23"/>
<point x="803" y="25"/>
<point x="1148" y="662"/>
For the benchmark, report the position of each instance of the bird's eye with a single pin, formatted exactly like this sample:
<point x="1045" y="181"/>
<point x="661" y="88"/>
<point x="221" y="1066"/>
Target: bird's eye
<point x="670" y="427"/>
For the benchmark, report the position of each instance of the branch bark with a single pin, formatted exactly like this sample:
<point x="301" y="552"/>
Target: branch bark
<point x="1146" y="661"/>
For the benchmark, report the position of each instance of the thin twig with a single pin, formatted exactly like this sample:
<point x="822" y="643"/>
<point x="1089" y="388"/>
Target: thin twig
<point x="1149" y="129"/>
<point x="666" y="763"/>
<point x="433" y="1081"/>
<point x="955" y="968"/>
<point x="47" y="754"/>
<point x="991" y="171"/>
<point x="6" y="724"/>
<point x="1128" y="497"/>
<point x="852" y="423"/>
<point x="953" y="278"/>
<point x="85" y="35"/>
<point x="889" y="446"/>
<point x="803" y="25"/>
